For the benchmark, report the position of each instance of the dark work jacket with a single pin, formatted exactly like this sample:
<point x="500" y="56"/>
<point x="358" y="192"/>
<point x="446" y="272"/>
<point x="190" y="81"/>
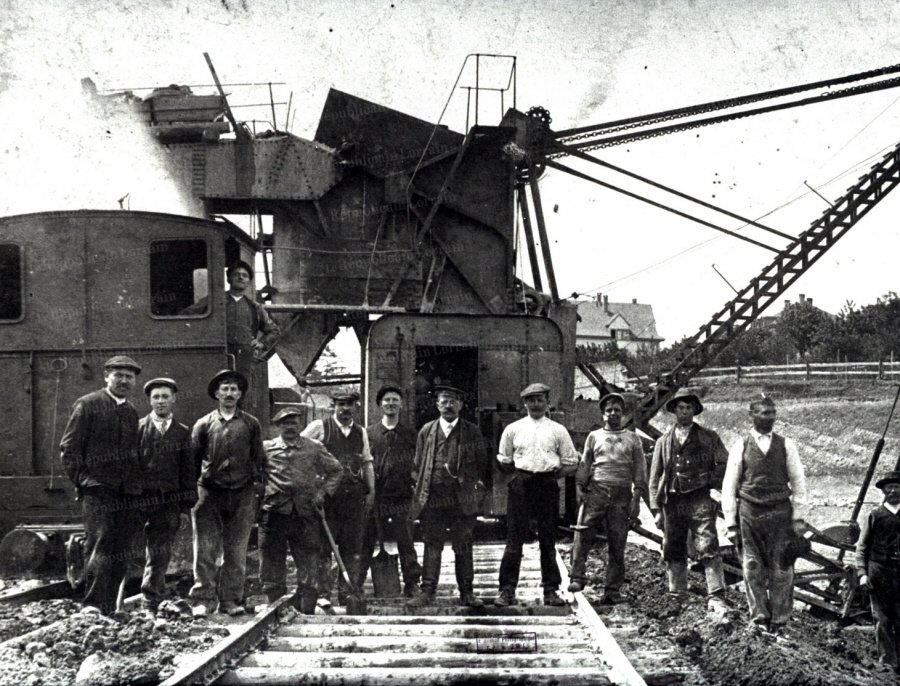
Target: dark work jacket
<point x="348" y="451"/>
<point x="765" y="478"/>
<point x="228" y="461"/>
<point x="393" y="452"/>
<point x="474" y="465"/>
<point x="167" y="462"/>
<point x="879" y="539"/>
<point x="99" y="446"/>
<point x="706" y="452"/>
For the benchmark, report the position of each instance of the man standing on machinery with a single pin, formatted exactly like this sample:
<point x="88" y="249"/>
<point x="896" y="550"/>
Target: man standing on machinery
<point x="346" y="509"/>
<point x="539" y="451"/>
<point x="451" y="467"/>
<point x="688" y="460"/>
<point x="764" y="499"/>
<point x="99" y="449"/>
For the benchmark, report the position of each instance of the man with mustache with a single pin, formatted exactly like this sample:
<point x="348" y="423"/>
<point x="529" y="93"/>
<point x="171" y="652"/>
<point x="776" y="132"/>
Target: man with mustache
<point x="764" y="499"/>
<point x="99" y="449"/>
<point x="346" y="509"/>
<point x="451" y="467"/>
<point x="878" y="568"/>
<point x="299" y="474"/>
<point x="229" y="454"/>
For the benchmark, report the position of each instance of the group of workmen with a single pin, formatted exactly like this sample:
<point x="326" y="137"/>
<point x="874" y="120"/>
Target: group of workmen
<point x="370" y="484"/>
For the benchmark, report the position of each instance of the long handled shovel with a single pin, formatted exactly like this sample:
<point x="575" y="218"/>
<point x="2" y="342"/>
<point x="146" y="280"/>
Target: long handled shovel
<point x="385" y="574"/>
<point x="356" y="604"/>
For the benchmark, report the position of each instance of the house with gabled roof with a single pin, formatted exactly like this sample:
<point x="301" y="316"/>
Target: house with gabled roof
<point x="631" y="326"/>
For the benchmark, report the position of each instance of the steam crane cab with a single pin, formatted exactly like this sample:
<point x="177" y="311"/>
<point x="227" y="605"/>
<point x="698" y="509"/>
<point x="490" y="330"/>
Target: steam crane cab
<point x="75" y="289"/>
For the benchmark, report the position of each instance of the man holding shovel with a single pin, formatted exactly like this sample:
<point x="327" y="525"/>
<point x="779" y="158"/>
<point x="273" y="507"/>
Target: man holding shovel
<point x="538" y="451"/>
<point x="299" y="473"/>
<point x="393" y="446"/>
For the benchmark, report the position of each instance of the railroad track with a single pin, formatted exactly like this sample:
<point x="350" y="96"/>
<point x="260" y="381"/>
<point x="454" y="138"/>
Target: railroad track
<point x="48" y="591"/>
<point x="442" y="643"/>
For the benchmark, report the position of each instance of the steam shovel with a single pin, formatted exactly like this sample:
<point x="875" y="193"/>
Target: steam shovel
<point x="356" y="604"/>
<point x="385" y="574"/>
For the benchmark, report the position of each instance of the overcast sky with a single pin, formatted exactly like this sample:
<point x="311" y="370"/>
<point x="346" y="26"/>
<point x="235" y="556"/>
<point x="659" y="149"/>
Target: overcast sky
<point x="587" y="62"/>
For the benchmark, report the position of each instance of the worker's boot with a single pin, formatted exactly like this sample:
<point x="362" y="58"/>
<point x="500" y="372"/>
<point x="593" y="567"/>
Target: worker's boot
<point x="465" y="577"/>
<point x="677" y="576"/>
<point x="715" y="576"/>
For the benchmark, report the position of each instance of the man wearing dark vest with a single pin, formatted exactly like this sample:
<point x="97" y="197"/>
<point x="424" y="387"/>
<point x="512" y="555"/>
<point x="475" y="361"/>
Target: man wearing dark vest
<point x="228" y="453"/>
<point x="393" y="445"/>
<point x="99" y="449"/>
<point x="168" y="483"/>
<point x="878" y="568"/>
<point x="451" y="467"/>
<point x="688" y="460"/>
<point x="345" y="510"/>
<point x="764" y="500"/>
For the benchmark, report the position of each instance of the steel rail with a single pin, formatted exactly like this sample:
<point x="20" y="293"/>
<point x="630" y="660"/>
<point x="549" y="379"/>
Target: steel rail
<point x="50" y="591"/>
<point x="209" y="666"/>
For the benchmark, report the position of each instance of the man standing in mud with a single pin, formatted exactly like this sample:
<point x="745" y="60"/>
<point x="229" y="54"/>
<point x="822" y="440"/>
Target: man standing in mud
<point x="168" y="483"/>
<point x="878" y="568"/>
<point x="688" y="460"/>
<point x="764" y="499"/>
<point x="99" y="449"/>
<point x="613" y="460"/>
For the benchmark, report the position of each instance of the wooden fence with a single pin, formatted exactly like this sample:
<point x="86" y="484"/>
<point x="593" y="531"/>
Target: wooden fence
<point x="804" y="371"/>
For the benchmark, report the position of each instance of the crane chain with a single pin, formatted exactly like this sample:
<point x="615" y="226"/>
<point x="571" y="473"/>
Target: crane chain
<point x="693" y="125"/>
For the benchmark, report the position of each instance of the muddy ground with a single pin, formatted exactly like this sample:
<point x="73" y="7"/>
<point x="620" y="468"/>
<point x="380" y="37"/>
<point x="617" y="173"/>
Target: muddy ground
<point x="812" y="652"/>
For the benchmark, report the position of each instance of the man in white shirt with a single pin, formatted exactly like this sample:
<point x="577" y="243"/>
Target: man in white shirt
<point x="539" y="451"/>
<point x="764" y="500"/>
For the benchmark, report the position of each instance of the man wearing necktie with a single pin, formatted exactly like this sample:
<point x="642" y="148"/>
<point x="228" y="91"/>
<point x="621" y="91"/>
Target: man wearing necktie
<point x="451" y="467"/>
<point x="168" y="483"/>
<point x="764" y="499"/>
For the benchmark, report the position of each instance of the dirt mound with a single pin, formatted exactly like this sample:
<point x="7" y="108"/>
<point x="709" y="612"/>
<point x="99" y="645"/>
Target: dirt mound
<point x="136" y="648"/>
<point x="723" y="650"/>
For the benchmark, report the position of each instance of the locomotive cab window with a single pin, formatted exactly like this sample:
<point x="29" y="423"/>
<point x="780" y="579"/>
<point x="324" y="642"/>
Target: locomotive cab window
<point x="179" y="278"/>
<point x="10" y="282"/>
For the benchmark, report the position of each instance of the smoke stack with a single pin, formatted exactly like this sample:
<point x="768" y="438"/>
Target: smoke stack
<point x="802" y="298"/>
<point x="787" y="302"/>
<point x="606" y="304"/>
<point x="634" y="301"/>
<point x="809" y="300"/>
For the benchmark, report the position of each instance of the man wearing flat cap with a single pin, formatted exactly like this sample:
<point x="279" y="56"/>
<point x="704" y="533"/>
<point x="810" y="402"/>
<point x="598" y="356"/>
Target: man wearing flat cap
<point x="168" y="483"/>
<point x="99" y="449"/>
<point x="345" y="510"/>
<point x="612" y="462"/>
<point x="228" y="454"/>
<point x="688" y="461"/>
<point x="764" y="500"/>
<point x="393" y="444"/>
<point x="878" y="568"/>
<point x="299" y="473"/>
<point x="538" y="451"/>
<point x="451" y="467"/>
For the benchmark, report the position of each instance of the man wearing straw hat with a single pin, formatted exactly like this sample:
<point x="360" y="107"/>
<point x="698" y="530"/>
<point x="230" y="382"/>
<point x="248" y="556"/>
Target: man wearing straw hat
<point x="688" y="460"/>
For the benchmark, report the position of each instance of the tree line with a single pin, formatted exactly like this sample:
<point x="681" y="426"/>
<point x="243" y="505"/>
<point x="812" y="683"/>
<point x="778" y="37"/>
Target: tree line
<point x="801" y="332"/>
